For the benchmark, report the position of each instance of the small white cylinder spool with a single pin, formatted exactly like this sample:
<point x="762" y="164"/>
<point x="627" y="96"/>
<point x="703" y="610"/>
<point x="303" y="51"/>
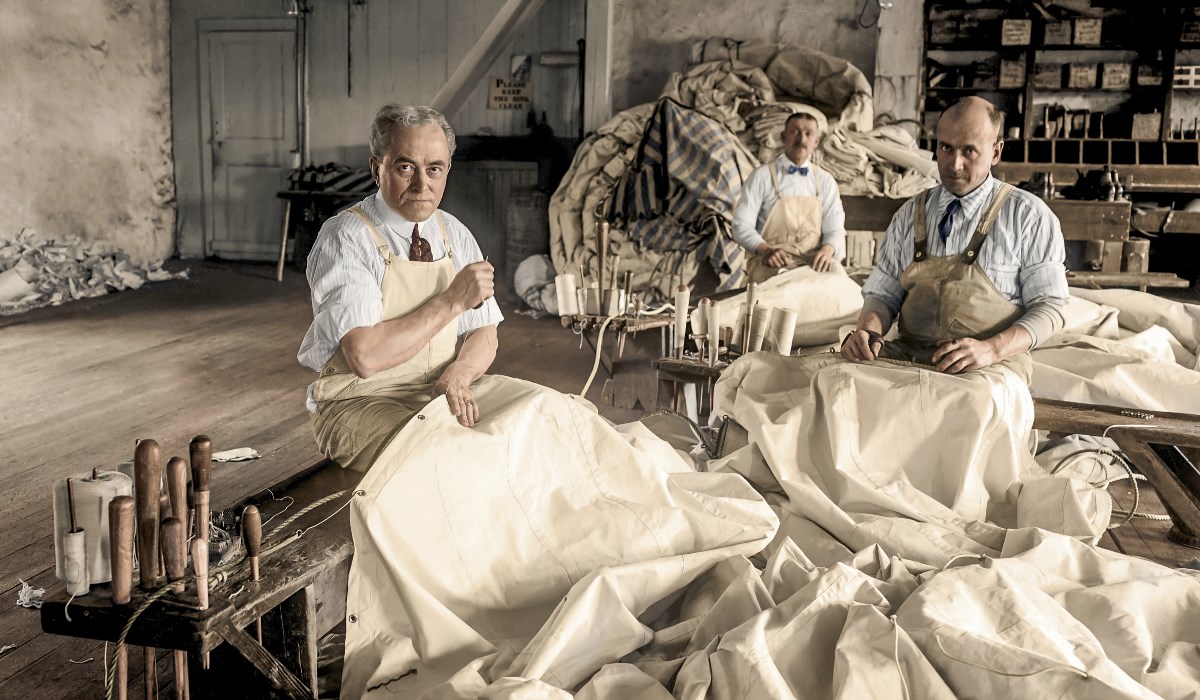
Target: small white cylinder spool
<point x="74" y="560"/>
<point x="564" y="291"/>
<point x="593" y="299"/>
<point x="92" y="497"/>
<point x="683" y="297"/>
<point x="758" y="327"/>
<point x="713" y="329"/>
<point x="781" y="330"/>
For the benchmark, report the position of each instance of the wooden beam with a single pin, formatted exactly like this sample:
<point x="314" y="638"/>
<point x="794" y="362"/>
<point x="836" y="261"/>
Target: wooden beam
<point x="1097" y="280"/>
<point x="511" y="18"/>
<point x="1167" y="221"/>
<point x="597" y="69"/>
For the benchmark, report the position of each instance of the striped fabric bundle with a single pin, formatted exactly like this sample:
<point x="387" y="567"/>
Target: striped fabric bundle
<point x="680" y="192"/>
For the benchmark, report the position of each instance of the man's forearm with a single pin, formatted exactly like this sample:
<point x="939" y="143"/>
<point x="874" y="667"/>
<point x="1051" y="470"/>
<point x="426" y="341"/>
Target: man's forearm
<point x="477" y="353"/>
<point x="1013" y="341"/>
<point x="369" y="350"/>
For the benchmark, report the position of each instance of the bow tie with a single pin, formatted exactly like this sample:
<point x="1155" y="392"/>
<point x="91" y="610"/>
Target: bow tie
<point x="793" y="169"/>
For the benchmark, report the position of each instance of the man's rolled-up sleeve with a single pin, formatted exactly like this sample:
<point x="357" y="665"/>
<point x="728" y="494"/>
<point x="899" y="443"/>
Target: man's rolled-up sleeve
<point x="883" y="292"/>
<point x="833" y="217"/>
<point x="345" y="292"/>
<point x="745" y="214"/>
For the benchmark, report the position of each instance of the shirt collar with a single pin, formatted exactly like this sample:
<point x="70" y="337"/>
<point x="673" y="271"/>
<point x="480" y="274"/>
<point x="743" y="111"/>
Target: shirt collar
<point x="393" y="220"/>
<point x="783" y="163"/>
<point x="971" y="202"/>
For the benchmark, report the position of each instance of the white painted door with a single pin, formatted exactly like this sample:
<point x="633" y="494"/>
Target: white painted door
<point x="248" y="114"/>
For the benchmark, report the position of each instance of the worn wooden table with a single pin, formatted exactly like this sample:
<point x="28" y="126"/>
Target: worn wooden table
<point x="300" y="596"/>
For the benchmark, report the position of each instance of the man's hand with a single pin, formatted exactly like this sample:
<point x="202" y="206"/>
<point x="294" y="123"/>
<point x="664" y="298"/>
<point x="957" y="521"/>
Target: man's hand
<point x="472" y="285"/>
<point x="455" y="384"/>
<point x="958" y="356"/>
<point x="862" y="345"/>
<point x="772" y="256"/>
<point x="823" y="259"/>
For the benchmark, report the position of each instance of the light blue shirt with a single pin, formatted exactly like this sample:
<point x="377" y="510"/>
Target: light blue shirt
<point x="758" y="196"/>
<point x="345" y="272"/>
<point x="1023" y="254"/>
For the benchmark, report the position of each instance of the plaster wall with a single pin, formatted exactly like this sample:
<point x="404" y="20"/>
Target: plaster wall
<point x="85" y="122"/>
<point x="652" y="38"/>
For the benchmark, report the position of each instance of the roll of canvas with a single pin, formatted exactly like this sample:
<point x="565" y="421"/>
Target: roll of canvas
<point x="758" y="327"/>
<point x="91" y="515"/>
<point x="739" y="328"/>
<point x="713" y="327"/>
<point x="781" y="330"/>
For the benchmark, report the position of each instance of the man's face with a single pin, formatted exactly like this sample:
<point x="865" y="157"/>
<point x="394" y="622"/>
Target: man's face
<point x="800" y="138"/>
<point x="967" y="148"/>
<point x="412" y="174"/>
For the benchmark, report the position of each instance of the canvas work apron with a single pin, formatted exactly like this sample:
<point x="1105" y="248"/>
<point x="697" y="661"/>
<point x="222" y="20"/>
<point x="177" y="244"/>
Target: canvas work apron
<point x="793" y="224"/>
<point x="951" y="297"/>
<point x="356" y="417"/>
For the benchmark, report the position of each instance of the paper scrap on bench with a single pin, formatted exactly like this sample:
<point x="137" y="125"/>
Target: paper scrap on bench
<point x="7" y="648"/>
<point x="239" y="454"/>
<point x="30" y="597"/>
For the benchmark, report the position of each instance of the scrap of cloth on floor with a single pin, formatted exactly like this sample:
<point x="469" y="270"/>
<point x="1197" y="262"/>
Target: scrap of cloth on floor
<point x="842" y="545"/>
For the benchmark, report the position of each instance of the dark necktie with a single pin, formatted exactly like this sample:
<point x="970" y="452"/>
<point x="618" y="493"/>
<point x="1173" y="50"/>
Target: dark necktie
<point x="419" y="250"/>
<point x="948" y="219"/>
<point x="793" y="169"/>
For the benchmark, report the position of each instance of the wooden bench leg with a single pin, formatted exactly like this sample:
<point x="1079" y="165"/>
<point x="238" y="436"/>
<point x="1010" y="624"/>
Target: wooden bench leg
<point x="287" y="658"/>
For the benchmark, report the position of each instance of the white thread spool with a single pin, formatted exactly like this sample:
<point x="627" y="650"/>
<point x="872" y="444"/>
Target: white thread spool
<point x="713" y="328"/>
<point x="91" y="515"/>
<point x="781" y="330"/>
<point x="758" y="327"/>
<point x="564" y="291"/>
<point x="700" y="318"/>
<point x="75" y="562"/>
<point x="683" y="297"/>
<point x="581" y="300"/>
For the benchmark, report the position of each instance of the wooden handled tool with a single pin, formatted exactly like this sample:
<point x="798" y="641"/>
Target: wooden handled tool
<point x="175" y="553"/>
<point x="200" y="452"/>
<point x="177" y="478"/>
<point x="147" y="472"/>
<point x="252" y="536"/>
<point x="120" y="537"/>
<point x="147" y="475"/>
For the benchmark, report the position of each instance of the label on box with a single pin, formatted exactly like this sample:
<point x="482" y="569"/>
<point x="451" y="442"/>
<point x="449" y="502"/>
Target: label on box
<point x="1047" y="75"/>
<point x="1058" y="33"/>
<point x="1016" y="32"/>
<point x="1190" y="33"/>
<point x="1087" y="30"/>
<point x="1012" y="73"/>
<point x="1148" y="74"/>
<point x="1115" y="76"/>
<point x="1082" y="75"/>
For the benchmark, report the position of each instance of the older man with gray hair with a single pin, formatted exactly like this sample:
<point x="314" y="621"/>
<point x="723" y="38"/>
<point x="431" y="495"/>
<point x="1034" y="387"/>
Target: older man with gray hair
<point x="396" y="283"/>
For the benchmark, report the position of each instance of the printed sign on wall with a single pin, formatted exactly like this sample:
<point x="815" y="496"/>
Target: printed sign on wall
<point x="504" y="93"/>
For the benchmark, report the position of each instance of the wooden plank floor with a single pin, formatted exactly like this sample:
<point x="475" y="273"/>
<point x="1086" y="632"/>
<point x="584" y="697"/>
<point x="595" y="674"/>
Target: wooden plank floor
<point x="214" y="354"/>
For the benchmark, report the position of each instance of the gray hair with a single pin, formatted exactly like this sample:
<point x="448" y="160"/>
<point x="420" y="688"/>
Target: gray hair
<point x="404" y="116"/>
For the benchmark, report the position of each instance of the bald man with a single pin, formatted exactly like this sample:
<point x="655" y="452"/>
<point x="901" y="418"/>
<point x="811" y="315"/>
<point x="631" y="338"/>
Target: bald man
<point x="973" y="267"/>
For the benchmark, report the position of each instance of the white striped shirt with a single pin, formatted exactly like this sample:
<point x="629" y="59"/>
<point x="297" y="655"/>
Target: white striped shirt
<point x="345" y="272"/>
<point x="758" y="196"/>
<point x="1023" y="254"/>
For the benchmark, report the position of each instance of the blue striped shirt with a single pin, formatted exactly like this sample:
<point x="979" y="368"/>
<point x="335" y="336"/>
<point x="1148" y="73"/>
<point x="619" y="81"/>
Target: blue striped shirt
<point x="758" y="197"/>
<point x="345" y="272"/>
<point x="1023" y="255"/>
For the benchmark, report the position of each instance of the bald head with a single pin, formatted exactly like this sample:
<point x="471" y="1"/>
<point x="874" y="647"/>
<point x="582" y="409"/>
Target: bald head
<point x="968" y="144"/>
<point x="977" y="111"/>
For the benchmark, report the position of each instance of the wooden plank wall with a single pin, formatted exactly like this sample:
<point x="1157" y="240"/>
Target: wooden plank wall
<point x="404" y="50"/>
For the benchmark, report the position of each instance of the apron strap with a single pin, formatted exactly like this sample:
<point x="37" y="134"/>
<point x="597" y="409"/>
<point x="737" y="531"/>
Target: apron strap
<point x="445" y="233"/>
<point x="919" y="239"/>
<point x="380" y="244"/>
<point x="971" y="254"/>
<point x="774" y="181"/>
